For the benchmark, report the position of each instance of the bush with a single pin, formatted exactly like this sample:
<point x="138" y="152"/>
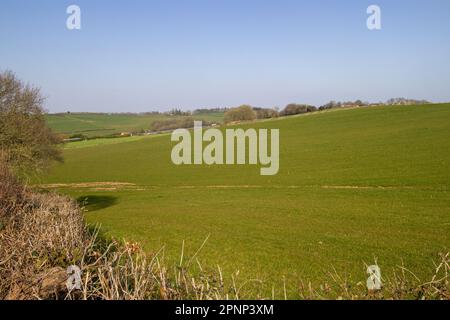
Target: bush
<point x="293" y="109"/>
<point x="312" y="109"/>
<point x="346" y="104"/>
<point x="262" y="113"/>
<point x="176" y="123"/>
<point x="242" y="113"/>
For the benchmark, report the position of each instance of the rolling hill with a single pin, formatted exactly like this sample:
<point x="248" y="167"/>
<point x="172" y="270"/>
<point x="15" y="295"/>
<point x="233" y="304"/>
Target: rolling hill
<point x="354" y="186"/>
<point x="104" y="124"/>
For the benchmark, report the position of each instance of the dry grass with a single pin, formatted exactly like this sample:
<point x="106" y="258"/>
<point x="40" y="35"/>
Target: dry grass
<point x="401" y="284"/>
<point x="46" y="234"/>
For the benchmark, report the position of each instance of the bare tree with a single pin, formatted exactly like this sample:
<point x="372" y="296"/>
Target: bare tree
<point x="27" y="145"/>
<point x="242" y="113"/>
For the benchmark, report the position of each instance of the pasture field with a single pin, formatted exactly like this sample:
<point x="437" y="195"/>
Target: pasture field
<point x="104" y="141"/>
<point x="103" y="124"/>
<point x="354" y="186"/>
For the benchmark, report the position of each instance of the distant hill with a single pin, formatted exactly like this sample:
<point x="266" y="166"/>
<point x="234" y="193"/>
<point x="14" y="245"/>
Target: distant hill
<point x="103" y="124"/>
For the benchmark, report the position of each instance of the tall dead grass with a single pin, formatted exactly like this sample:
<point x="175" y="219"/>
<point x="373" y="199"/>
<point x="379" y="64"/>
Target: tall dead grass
<point x="400" y="284"/>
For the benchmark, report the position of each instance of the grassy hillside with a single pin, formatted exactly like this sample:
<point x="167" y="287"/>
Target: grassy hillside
<point x="94" y="125"/>
<point x="354" y="185"/>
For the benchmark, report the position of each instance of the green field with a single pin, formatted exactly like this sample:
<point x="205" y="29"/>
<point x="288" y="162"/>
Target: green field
<point x="354" y="185"/>
<point x="104" y="141"/>
<point x="102" y="124"/>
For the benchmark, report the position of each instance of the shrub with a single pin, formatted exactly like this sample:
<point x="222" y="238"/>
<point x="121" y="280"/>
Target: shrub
<point x="293" y="109"/>
<point x="347" y="104"/>
<point x="176" y="123"/>
<point x="311" y="109"/>
<point x="242" y="113"/>
<point x="262" y="113"/>
<point x="330" y="105"/>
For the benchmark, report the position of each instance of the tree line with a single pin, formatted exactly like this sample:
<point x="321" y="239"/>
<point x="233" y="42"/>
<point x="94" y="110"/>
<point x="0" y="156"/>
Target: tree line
<point x="249" y="113"/>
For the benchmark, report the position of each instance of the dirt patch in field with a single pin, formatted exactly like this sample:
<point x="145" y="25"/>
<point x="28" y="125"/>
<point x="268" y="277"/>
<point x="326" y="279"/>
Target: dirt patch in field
<point x="298" y="187"/>
<point x="117" y="186"/>
<point x="292" y="187"/>
<point x="96" y="185"/>
<point x="236" y="186"/>
<point x="367" y="187"/>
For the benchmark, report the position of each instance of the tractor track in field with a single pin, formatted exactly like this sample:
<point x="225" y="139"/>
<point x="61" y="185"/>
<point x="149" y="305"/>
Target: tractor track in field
<point x="117" y="186"/>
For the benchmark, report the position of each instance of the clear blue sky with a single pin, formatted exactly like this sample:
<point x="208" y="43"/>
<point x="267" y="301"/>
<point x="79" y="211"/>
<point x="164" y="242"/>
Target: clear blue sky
<point x="156" y="55"/>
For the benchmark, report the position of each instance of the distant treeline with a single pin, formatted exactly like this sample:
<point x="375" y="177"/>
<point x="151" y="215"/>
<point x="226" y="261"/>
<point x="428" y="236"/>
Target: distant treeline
<point x="212" y="110"/>
<point x="175" y="123"/>
<point x="359" y="103"/>
<point x="249" y="113"/>
<point x="179" y="112"/>
<point x="263" y="113"/>
<point x="185" y="119"/>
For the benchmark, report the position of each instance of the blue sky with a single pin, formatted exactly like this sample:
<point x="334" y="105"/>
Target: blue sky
<point x="133" y="56"/>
